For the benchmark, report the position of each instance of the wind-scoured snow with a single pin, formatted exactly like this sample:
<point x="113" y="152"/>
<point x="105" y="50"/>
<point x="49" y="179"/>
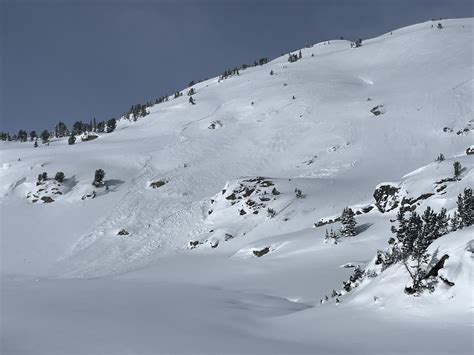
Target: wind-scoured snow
<point x="185" y="279"/>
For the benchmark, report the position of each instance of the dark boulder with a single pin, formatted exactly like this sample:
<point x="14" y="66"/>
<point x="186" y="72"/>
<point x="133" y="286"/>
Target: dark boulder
<point x="262" y="252"/>
<point x="47" y="199"/>
<point x="157" y="184"/>
<point x="386" y="197"/>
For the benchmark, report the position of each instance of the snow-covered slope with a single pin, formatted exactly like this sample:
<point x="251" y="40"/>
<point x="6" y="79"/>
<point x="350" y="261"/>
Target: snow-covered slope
<point x="307" y="127"/>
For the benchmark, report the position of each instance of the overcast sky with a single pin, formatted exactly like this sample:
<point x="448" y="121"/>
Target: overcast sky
<point x="74" y="60"/>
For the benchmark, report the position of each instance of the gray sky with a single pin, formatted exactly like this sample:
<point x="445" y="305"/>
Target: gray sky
<point x="74" y="60"/>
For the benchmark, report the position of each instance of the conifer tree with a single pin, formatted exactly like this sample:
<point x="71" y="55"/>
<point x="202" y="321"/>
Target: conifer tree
<point x="45" y="136"/>
<point x="457" y="169"/>
<point x="465" y="210"/>
<point x="98" y="177"/>
<point x="348" y="223"/>
<point x="59" y="177"/>
<point x="111" y="125"/>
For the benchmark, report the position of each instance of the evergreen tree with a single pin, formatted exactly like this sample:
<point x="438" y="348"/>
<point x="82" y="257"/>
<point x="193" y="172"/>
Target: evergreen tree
<point x="45" y="136"/>
<point x="455" y="222"/>
<point x="299" y="193"/>
<point x="111" y="125"/>
<point x="101" y="127"/>
<point x="457" y="169"/>
<point x="465" y="210"/>
<point x="36" y="144"/>
<point x="33" y="135"/>
<point x="59" y="177"/>
<point x="331" y="237"/>
<point x="22" y="135"/>
<point x="416" y="265"/>
<point x="78" y="128"/>
<point x="348" y="223"/>
<point x="60" y="130"/>
<point x="440" y="158"/>
<point x="44" y="176"/>
<point x="98" y="177"/>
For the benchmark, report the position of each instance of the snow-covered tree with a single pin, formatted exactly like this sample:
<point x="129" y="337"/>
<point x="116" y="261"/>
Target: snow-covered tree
<point x="465" y="210"/>
<point x="348" y="223"/>
<point x="331" y="237"/>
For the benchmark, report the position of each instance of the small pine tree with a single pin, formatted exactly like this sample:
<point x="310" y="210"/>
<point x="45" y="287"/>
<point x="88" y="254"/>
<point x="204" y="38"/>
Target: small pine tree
<point x="348" y="223"/>
<point x="440" y="158"/>
<point x="455" y="222"/>
<point x="440" y="26"/>
<point x="59" y="177"/>
<point x="36" y="144"/>
<point x="331" y="237"/>
<point x="98" y="177"/>
<point x="457" y="169"/>
<point x="271" y="212"/>
<point x="45" y="136"/>
<point x="271" y="72"/>
<point x="44" y="176"/>
<point x="112" y="124"/>
<point x="299" y="193"/>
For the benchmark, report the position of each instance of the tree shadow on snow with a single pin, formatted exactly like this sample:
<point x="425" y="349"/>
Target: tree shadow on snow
<point x="363" y="227"/>
<point x="113" y="184"/>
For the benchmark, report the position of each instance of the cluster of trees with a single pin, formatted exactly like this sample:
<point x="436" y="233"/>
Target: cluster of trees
<point x="59" y="177"/>
<point x="464" y="215"/>
<point x="229" y="72"/>
<point x="235" y="71"/>
<point x="137" y="111"/>
<point x="357" y="43"/>
<point x="261" y="61"/>
<point x="348" y="227"/>
<point x="61" y="130"/>
<point x="294" y="57"/>
<point x="415" y="233"/>
<point x="299" y="193"/>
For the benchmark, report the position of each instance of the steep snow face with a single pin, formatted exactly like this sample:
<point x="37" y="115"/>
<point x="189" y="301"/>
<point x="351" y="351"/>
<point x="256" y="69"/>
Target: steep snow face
<point x="332" y="125"/>
<point x="420" y="76"/>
